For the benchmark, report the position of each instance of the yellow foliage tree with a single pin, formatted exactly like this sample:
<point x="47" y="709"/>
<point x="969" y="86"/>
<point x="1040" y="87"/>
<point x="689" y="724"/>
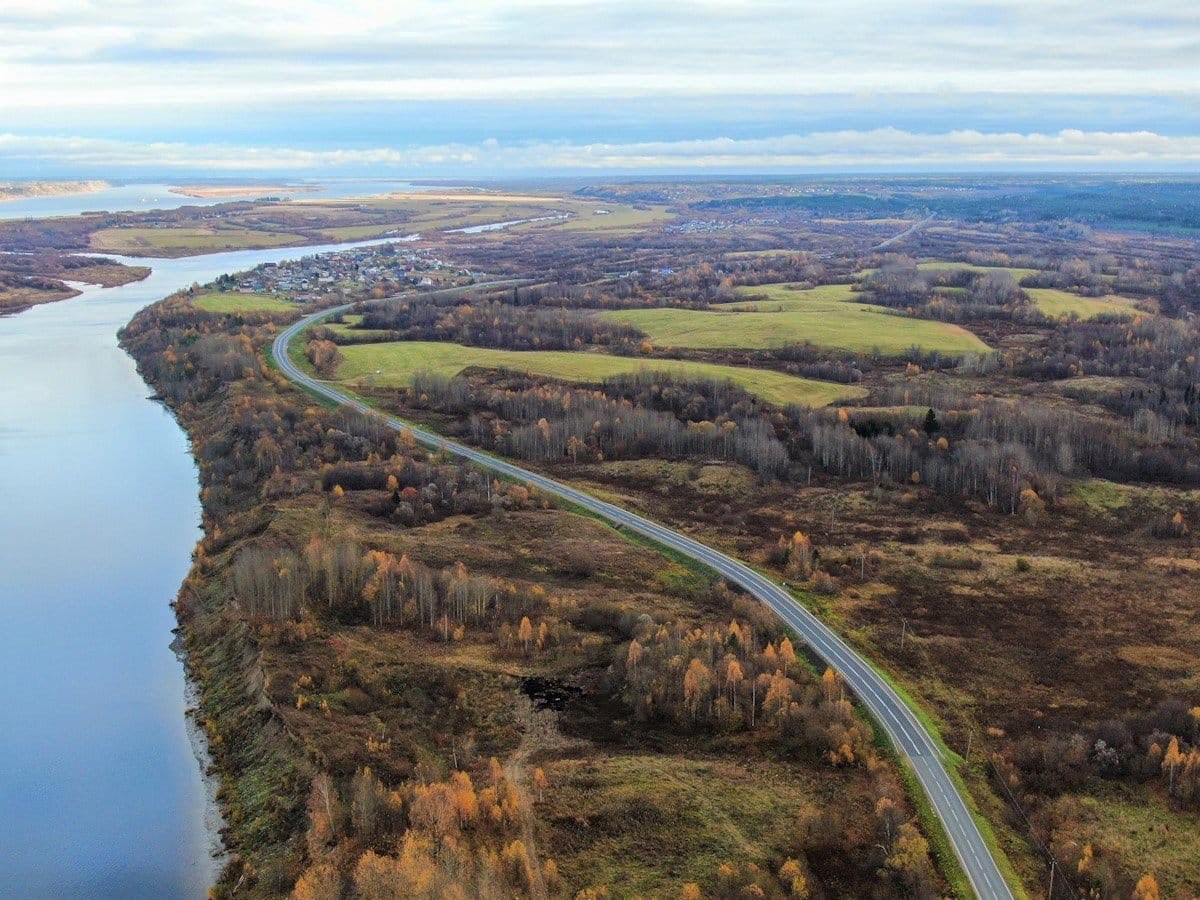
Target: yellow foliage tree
<point x="319" y="882"/>
<point x="787" y="654"/>
<point x="1146" y="888"/>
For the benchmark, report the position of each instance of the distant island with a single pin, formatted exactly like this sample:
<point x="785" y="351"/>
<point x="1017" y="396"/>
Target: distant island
<point x="207" y="191"/>
<point x="19" y="190"/>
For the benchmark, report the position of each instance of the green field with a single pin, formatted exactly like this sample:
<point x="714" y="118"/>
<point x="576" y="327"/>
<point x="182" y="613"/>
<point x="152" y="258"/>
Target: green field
<point x="394" y="364"/>
<point x="618" y="217"/>
<point x="762" y="254"/>
<point x="936" y="266"/>
<point x="826" y="316"/>
<point x="1055" y="303"/>
<point x="187" y="241"/>
<point x="218" y="302"/>
<point x="1142" y="828"/>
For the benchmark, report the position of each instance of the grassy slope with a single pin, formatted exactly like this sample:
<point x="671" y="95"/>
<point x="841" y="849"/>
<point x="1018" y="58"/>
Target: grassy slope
<point x="640" y="805"/>
<point x="217" y="302"/>
<point x="826" y="316"/>
<point x="396" y="362"/>
<point x="1143" y="826"/>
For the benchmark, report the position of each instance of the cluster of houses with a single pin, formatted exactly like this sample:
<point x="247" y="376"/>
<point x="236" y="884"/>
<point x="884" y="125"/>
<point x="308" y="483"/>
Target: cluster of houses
<point x="350" y="272"/>
<point x="702" y="226"/>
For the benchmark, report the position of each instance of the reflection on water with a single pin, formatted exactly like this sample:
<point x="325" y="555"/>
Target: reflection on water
<point x="100" y="792"/>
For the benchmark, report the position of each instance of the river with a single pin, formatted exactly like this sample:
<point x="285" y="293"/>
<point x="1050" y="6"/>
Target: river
<point x="101" y="792"/>
<point x="144" y="196"/>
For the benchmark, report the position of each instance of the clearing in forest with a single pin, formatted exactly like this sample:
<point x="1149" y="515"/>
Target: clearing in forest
<point x="394" y="363"/>
<point x="234" y="302"/>
<point x="1055" y="303"/>
<point x="779" y="315"/>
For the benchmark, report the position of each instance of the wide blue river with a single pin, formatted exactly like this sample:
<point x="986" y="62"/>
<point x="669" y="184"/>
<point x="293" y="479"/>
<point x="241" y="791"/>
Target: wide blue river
<point x="145" y="196"/>
<point x="101" y="791"/>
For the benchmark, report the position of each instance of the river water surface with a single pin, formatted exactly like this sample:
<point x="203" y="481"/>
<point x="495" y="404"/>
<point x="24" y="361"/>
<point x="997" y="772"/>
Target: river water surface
<point x="101" y="793"/>
<point x="145" y="196"/>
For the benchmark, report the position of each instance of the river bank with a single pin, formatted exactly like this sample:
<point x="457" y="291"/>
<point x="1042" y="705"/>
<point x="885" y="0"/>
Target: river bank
<point x="21" y="190"/>
<point x="146" y="196"/>
<point x="101" y="787"/>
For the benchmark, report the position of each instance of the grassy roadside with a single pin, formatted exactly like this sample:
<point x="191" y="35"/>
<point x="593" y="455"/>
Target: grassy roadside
<point x="269" y="357"/>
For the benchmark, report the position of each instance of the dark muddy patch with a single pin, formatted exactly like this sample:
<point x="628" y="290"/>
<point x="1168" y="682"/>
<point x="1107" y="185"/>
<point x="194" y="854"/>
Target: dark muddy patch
<point x="549" y="693"/>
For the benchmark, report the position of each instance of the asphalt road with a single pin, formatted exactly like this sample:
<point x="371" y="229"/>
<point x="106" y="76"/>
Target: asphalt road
<point x="890" y="711"/>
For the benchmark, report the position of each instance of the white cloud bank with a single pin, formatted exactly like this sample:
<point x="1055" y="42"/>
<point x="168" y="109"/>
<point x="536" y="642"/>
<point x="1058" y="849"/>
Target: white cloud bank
<point x="135" y="54"/>
<point x="882" y="148"/>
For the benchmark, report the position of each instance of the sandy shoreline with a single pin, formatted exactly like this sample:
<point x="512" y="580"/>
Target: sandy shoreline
<point x="207" y="191"/>
<point x="23" y="190"/>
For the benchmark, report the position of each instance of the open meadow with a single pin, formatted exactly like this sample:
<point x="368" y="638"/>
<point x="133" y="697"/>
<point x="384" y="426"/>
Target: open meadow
<point x="394" y="363"/>
<point x="1056" y="304"/>
<point x="188" y="240"/>
<point x="233" y="302"/>
<point x="780" y="315"/>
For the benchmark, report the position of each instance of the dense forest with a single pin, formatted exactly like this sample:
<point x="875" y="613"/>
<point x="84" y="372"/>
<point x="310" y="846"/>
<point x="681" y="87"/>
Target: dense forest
<point x="1127" y="202"/>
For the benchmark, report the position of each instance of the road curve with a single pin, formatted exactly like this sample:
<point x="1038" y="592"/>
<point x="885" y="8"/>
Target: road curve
<point x="890" y="711"/>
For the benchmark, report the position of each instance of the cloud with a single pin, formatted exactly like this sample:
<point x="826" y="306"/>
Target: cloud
<point x="879" y="148"/>
<point x="417" y="85"/>
<point x="77" y="54"/>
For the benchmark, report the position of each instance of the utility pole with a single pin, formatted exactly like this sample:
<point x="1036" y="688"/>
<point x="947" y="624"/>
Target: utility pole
<point x="903" y="631"/>
<point x="970" y="738"/>
<point x="1050" y="893"/>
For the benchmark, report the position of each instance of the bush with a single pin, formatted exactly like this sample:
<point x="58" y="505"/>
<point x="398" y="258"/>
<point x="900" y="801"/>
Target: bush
<point x="959" y="561"/>
<point x="1170" y="527"/>
<point x="577" y="564"/>
<point x="823" y="583"/>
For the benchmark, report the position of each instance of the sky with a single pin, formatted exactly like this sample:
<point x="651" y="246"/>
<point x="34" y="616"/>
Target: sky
<point x="473" y="88"/>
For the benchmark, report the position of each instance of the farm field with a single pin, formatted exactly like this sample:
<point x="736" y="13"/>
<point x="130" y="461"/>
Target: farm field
<point x="426" y="213"/>
<point x="232" y="302"/>
<point x="170" y="242"/>
<point x="1055" y="303"/>
<point x="396" y="362"/>
<point x="617" y="217"/>
<point x="780" y="315"/>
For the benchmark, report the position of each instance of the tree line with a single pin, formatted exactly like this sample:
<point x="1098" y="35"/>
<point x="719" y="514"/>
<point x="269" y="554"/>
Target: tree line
<point x="483" y="323"/>
<point x="555" y="422"/>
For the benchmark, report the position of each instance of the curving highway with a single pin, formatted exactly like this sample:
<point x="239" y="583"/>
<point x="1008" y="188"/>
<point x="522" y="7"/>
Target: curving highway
<point x="890" y="711"/>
